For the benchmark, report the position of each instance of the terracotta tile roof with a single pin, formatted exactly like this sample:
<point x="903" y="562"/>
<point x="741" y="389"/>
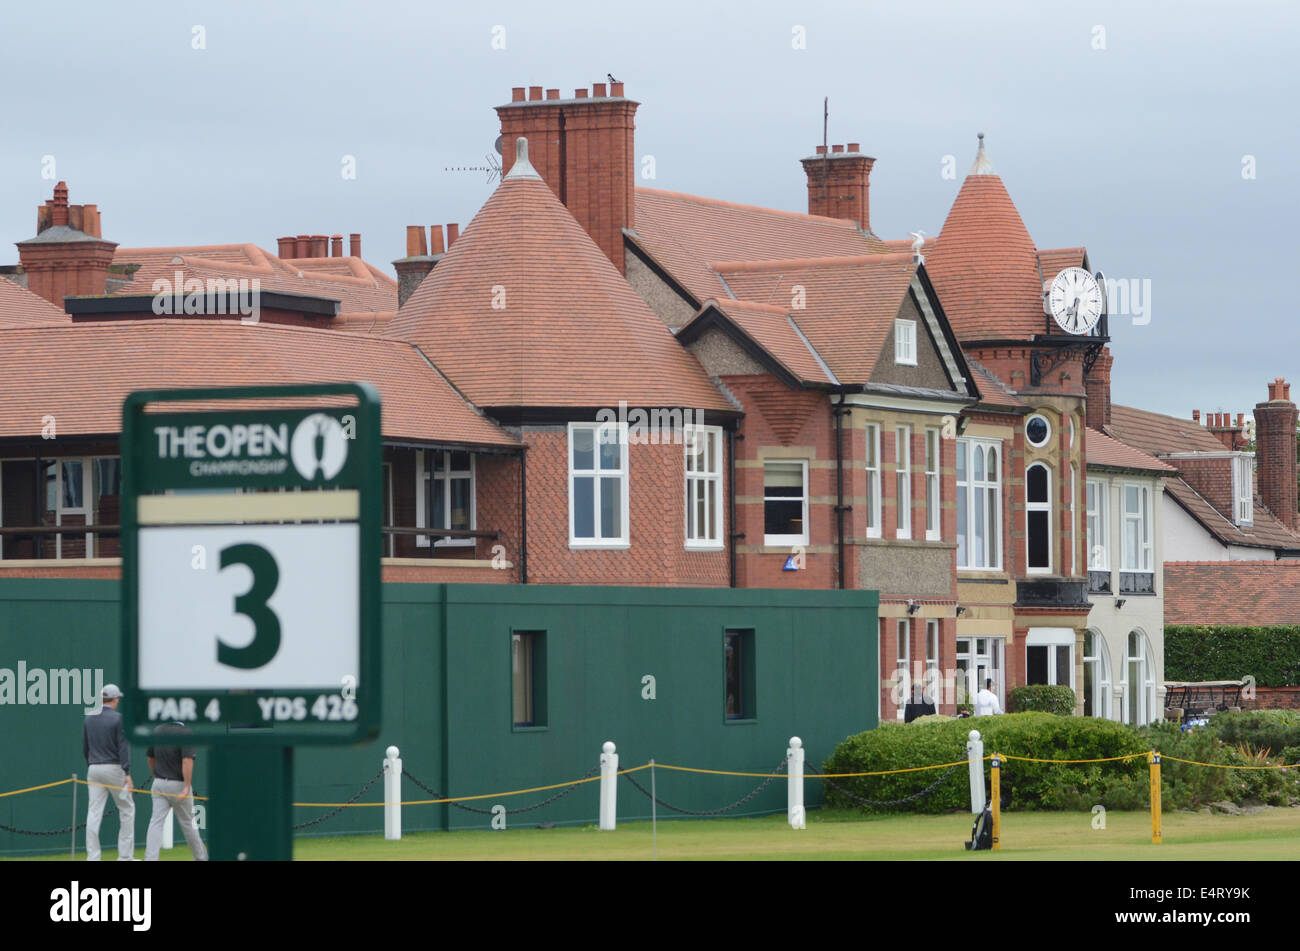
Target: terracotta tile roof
<point x="1158" y="434"/>
<point x="985" y="266"/>
<point x="570" y="331"/>
<point x="684" y="232"/>
<point x="1247" y="593"/>
<point x="19" y="307"/>
<point x="850" y="302"/>
<point x="773" y="329"/>
<point x="993" y="392"/>
<point x="358" y="287"/>
<point x="81" y="374"/>
<point x="1105" y="451"/>
<point x="1265" y="531"/>
<point x="1054" y="261"/>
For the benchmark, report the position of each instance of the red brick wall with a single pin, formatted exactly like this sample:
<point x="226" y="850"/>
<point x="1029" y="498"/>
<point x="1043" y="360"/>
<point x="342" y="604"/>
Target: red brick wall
<point x="657" y="553"/>
<point x="1275" y="431"/>
<point x="1274" y="698"/>
<point x="1212" y="478"/>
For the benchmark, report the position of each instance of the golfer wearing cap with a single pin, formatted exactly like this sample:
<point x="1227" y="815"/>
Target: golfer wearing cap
<point x="108" y="759"/>
<point x="173" y="788"/>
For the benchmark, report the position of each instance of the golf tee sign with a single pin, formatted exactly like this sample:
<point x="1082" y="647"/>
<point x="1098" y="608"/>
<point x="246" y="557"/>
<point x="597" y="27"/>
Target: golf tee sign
<point x="251" y="546"/>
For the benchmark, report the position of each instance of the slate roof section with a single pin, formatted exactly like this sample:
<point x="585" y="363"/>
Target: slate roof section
<point x="770" y="329"/>
<point x="358" y="287"/>
<point x="1247" y="593"/>
<point x="684" y="232"/>
<point x="567" y="329"/>
<point x="993" y="392"/>
<point x="1111" y="453"/>
<point x="1159" y="434"/>
<point x="82" y="373"/>
<point x="19" y="307"/>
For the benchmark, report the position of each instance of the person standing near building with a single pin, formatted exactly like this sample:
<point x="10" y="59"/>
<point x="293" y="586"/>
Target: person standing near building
<point x="986" y="701"/>
<point x="173" y="788"/>
<point x="108" y="769"/>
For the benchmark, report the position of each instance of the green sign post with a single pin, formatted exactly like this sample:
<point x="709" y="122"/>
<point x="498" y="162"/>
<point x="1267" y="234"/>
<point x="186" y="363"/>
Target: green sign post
<point x="251" y="600"/>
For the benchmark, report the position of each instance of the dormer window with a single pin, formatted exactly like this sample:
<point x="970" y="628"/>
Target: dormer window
<point x="905" y="342"/>
<point x="1243" y="471"/>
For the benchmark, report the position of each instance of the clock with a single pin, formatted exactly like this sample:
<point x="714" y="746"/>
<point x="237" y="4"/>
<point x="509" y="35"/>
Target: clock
<point x="1075" y="301"/>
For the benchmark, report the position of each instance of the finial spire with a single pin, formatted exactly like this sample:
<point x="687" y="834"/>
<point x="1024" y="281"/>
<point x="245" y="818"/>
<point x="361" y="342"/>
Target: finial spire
<point x="982" y="164"/>
<point x="522" y="167"/>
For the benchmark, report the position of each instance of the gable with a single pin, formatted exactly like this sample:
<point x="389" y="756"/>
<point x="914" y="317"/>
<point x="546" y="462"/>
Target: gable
<point x="929" y="371"/>
<point x="722" y="356"/>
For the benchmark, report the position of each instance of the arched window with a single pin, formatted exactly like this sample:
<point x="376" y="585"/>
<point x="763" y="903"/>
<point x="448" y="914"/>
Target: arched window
<point x="1096" y="676"/>
<point x="1139" y="681"/>
<point x="979" y="505"/>
<point x="1038" y="519"/>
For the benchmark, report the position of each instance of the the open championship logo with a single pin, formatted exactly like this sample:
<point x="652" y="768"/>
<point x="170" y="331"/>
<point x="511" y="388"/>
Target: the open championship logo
<point x="319" y="445"/>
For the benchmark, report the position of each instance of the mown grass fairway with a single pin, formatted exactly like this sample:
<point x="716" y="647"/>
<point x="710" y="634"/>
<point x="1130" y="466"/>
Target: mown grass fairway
<point x="1271" y="834"/>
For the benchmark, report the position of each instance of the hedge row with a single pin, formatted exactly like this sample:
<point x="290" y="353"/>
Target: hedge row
<point x="1202" y="652"/>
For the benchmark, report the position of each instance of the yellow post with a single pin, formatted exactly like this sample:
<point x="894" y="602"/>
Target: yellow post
<point x="995" y="773"/>
<point x="1154" y="759"/>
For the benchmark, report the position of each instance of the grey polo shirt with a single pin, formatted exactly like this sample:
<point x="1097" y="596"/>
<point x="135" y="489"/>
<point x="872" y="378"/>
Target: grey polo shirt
<point x="167" y="759"/>
<point x="103" y="740"/>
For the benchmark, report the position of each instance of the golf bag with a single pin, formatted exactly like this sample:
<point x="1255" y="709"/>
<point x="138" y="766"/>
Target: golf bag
<point x="981" y="833"/>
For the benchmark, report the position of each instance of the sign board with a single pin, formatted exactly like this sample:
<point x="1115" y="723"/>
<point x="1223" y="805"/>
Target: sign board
<point x="250" y="568"/>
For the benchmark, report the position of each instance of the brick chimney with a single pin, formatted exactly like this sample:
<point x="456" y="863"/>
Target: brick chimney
<point x="838" y="183"/>
<point x="1231" y="434"/>
<point x="1275" y="452"/>
<point x="583" y="149"/>
<point x="1097" y="387"/>
<point x="68" y="256"/>
<point x="420" y="258"/>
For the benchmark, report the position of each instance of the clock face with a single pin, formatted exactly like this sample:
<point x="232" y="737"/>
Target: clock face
<point x="1075" y="300"/>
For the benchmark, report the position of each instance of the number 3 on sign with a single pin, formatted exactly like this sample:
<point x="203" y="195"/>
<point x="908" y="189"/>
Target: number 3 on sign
<point x="252" y="604"/>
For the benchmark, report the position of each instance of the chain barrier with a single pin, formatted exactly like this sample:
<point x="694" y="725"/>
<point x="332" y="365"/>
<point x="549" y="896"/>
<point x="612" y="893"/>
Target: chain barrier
<point x="710" y="812"/>
<point x="890" y="803"/>
<point x="330" y="815"/>
<point x="108" y="811"/>
<point x="487" y="812"/>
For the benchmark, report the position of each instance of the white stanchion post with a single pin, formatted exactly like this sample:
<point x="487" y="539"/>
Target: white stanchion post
<point x="794" y="783"/>
<point x="975" y="753"/>
<point x="392" y="794"/>
<point x="608" y="787"/>
<point x="169" y="828"/>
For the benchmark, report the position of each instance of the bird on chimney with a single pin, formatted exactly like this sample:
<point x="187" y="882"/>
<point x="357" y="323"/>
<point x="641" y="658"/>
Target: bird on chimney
<point x="919" y="241"/>
<point x="610" y="77"/>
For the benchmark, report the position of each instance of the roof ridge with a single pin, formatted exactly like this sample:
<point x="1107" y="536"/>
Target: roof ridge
<point x="848" y="260"/>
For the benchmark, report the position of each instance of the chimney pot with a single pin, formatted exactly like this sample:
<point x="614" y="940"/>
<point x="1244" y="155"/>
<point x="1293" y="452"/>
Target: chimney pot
<point x="821" y="150"/>
<point x="336" y="246"/>
<point x="1241" y="420"/>
<point x="320" y="246"/>
<point x="61" y="203"/>
<point x="552" y="94"/>
<point x="534" y="93"/>
<point x="1196" y="415"/>
<point x="580" y="93"/>
<point x="855" y="146"/>
<point x="415" y="240"/>
<point x="354" y="245"/>
<point x="435" y="240"/>
<point x="286" y="246"/>
<point x="598" y="90"/>
<point x="90" y="220"/>
<point x="517" y="94"/>
<point x="453" y="232"/>
<point x="616" y="89"/>
<point x="837" y="149"/>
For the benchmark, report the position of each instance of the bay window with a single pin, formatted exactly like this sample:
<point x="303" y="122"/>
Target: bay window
<point x="873" y="480"/>
<point x="903" y="479"/>
<point x="979" y="504"/>
<point x="1098" y="517"/>
<point x="1137" y="565"/>
<point x="933" y="524"/>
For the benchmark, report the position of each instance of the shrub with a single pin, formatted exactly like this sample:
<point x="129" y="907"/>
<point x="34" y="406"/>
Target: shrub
<point x="1025" y="785"/>
<point x="1043" y="697"/>
<point x="1272" y="730"/>
<point x="1291" y="755"/>
<point x="1202" y="652"/>
<point x="1186" y="786"/>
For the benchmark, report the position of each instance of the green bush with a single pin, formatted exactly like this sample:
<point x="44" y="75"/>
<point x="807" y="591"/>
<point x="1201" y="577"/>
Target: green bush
<point x="1187" y="786"/>
<point x="1025" y="785"/>
<point x="1272" y="730"/>
<point x="1045" y="698"/>
<point x="1291" y="755"/>
<point x="1201" y="652"/>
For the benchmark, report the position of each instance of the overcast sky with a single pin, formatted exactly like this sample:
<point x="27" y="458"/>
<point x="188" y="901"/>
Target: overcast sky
<point x="1136" y="149"/>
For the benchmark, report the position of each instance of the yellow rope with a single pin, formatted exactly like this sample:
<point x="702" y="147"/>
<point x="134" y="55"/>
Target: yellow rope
<point x="1108" y="759"/>
<point x="139" y="791"/>
<point x="1224" y="766"/>
<point x="885" y="772"/>
<point x="18" y="792"/>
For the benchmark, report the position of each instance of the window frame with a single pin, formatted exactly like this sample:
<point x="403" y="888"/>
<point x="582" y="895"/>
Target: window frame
<point x="1146" y="527"/>
<point x="1032" y="507"/>
<point x="424" y="476"/>
<point x="874" y="505"/>
<point x="786" y="541"/>
<point x="623" y="473"/>
<point x="933" y="486"/>
<point x="712" y="485"/>
<point x="902" y="663"/>
<point x="1243" y="486"/>
<point x="1047" y="439"/>
<point x="1146" y="689"/>
<point x="971" y="486"/>
<point x="1099" y="662"/>
<point x="747" y="675"/>
<point x="905" y="333"/>
<point x="903" y="480"/>
<point x="1099" y="513"/>
<point x="537" y="680"/>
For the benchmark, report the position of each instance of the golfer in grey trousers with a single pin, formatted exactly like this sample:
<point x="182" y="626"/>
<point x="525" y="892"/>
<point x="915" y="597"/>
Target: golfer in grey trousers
<point x="108" y="759"/>
<point x="173" y="788"/>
